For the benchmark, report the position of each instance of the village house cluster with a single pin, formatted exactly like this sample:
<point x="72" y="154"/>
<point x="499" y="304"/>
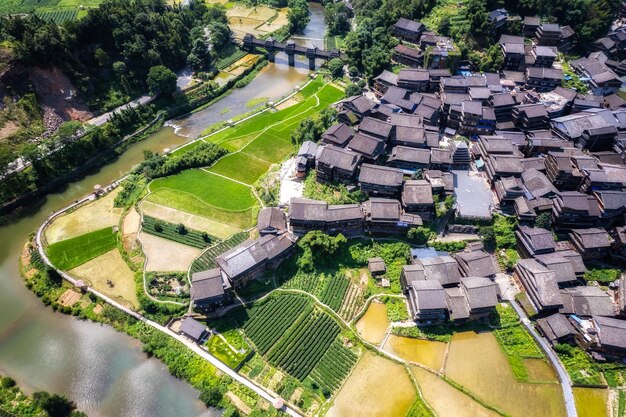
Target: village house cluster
<point x="515" y="142"/>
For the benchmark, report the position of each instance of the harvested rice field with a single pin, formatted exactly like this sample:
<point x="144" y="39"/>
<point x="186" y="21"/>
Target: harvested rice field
<point x="110" y="275"/>
<point x="92" y="216"/>
<point x="166" y="256"/>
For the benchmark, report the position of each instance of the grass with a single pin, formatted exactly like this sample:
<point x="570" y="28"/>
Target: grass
<point x="191" y="204"/>
<point x="396" y="309"/>
<point x="70" y="253"/>
<point x="256" y="144"/>
<point x="515" y="341"/>
<point x="602" y="276"/>
<point x="580" y="367"/>
<point x="211" y="189"/>
<point x="218" y="348"/>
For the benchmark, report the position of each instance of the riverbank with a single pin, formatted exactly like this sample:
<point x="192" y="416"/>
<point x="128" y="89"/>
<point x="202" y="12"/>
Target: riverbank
<point x="82" y="164"/>
<point x="216" y="388"/>
<point x="14" y="403"/>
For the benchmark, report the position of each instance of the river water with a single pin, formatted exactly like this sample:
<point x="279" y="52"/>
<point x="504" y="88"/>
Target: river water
<point x="105" y="372"/>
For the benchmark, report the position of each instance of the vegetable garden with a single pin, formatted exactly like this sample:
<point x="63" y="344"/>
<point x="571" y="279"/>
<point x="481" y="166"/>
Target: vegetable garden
<point x="58" y="16"/>
<point x="294" y="336"/>
<point x="207" y="259"/>
<point x="299" y="350"/>
<point x="272" y="319"/>
<point x="334" y="291"/>
<point x="334" y="366"/>
<point x="177" y="233"/>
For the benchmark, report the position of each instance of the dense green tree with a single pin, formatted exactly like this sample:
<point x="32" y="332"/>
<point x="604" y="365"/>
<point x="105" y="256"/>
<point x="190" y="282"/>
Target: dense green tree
<point x="161" y="80"/>
<point x="419" y="235"/>
<point x="55" y="405"/>
<point x="353" y="90"/>
<point x="544" y="220"/>
<point x="211" y="396"/>
<point x="298" y="15"/>
<point x="336" y="17"/>
<point x="336" y="67"/>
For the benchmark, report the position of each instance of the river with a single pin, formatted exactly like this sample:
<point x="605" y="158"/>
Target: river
<point x="103" y="371"/>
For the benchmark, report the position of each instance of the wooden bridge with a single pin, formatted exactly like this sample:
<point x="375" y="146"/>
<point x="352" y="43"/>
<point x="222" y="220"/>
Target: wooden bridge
<point x="271" y="46"/>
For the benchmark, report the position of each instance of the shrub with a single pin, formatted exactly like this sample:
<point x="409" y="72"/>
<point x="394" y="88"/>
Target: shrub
<point x="603" y="276"/>
<point x="419" y="235"/>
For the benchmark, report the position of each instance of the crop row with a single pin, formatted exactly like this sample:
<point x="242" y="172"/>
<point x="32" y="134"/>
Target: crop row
<point x="304" y="282"/>
<point x="334" y="366"/>
<point x="176" y="233"/>
<point x="305" y="345"/>
<point x="334" y="291"/>
<point x="272" y="319"/>
<point x="58" y="16"/>
<point x="352" y="300"/>
<point x="207" y="259"/>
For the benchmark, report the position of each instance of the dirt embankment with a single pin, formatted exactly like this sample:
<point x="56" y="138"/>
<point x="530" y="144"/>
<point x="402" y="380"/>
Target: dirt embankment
<point x="55" y="93"/>
<point x="57" y="97"/>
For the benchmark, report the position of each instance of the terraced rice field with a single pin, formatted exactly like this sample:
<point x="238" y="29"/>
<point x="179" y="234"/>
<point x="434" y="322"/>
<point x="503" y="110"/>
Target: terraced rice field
<point x="223" y="192"/>
<point x="70" y="253"/>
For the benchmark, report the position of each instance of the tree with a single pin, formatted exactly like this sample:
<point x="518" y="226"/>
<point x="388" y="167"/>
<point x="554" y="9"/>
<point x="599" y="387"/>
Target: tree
<point x="306" y="130"/>
<point x="181" y="229"/>
<point x="353" y="90"/>
<point x="161" y="80"/>
<point x="220" y="34"/>
<point x="336" y="17"/>
<point x="55" y="405"/>
<point x="544" y="220"/>
<point x="353" y="71"/>
<point x="211" y="396"/>
<point x="419" y="235"/>
<point x="504" y="231"/>
<point x="298" y="15"/>
<point x="336" y="67"/>
<point x="158" y="227"/>
<point x="102" y="57"/>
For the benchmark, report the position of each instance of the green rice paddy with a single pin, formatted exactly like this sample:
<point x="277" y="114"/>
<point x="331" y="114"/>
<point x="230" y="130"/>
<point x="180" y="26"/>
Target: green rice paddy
<point x="222" y="192"/>
<point x="70" y="253"/>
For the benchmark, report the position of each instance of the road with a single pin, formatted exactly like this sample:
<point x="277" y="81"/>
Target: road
<point x="566" y="382"/>
<point x="187" y="342"/>
<point x="104" y="117"/>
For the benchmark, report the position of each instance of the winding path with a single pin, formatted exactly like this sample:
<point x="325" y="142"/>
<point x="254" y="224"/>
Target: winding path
<point x="188" y="343"/>
<point x="566" y="382"/>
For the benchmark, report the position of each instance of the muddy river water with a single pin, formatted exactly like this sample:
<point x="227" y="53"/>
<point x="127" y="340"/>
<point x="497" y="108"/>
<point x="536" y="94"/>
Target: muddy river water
<point x="105" y="372"/>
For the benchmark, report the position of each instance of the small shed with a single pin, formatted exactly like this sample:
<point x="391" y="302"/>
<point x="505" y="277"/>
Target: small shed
<point x="376" y="266"/>
<point x="194" y="329"/>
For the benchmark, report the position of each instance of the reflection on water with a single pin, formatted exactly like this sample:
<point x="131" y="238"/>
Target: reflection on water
<point x="426" y="352"/>
<point x="377" y="387"/>
<point x="477" y="362"/>
<point x="373" y="325"/>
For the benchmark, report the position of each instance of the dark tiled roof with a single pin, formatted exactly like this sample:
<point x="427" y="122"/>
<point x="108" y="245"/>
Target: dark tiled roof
<point x="586" y="301"/>
<point x="334" y="156"/>
<point x="481" y="292"/>
<point x="476" y="263"/>
<point x="192" y="328"/>
<point x="375" y="174"/>
<point x="611" y="332"/>
<point x="338" y="134"/>
<point x="207" y="284"/>
<point x="271" y="218"/>
<point x="375" y="127"/>
<point x="417" y="192"/>
<point x="556" y="326"/>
